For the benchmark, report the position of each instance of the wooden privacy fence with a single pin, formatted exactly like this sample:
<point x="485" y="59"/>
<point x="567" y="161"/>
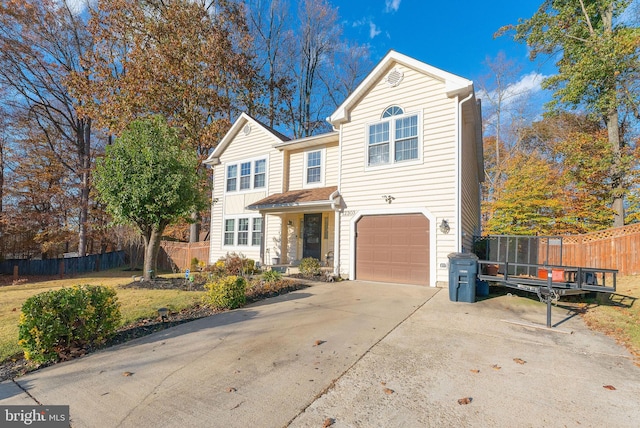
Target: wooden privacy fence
<point x="177" y="256"/>
<point x="617" y="248"/>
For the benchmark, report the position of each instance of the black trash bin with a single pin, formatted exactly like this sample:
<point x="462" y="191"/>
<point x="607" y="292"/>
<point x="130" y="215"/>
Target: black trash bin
<point x="463" y="272"/>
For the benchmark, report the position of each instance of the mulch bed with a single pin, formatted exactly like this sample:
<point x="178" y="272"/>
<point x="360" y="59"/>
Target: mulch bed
<point x="20" y="366"/>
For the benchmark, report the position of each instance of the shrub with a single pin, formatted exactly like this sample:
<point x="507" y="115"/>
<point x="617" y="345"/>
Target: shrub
<point x="309" y="266"/>
<point x="54" y="322"/>
<point x="234" y="264"/>
<point x="193" y="266"/>
<point x="271" y="276"/>
<point x="227" y="292"/>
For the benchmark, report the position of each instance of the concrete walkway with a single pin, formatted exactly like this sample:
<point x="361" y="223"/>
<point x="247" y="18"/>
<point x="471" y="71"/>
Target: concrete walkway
<point x="353" y="354"/>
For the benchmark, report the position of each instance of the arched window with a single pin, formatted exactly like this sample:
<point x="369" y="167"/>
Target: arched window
<point x="392" y="111"/>
<point x="394" y="139"/>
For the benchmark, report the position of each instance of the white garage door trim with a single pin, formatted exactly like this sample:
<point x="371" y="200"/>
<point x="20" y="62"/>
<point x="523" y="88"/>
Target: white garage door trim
<point x="432" y="237"/>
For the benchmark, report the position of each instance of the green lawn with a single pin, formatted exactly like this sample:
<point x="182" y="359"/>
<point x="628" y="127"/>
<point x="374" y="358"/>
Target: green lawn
<point x="135" y="303"/>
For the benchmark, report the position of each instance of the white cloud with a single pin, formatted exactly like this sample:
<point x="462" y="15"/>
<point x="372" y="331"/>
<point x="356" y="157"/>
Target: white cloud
<point x="392" y="5"/>
<point x="373" y="30"/>
<point x="529" y="85"/>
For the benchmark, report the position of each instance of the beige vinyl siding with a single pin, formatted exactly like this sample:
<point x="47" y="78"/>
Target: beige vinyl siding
<point x="470" y="205"/>
<point x="331" y="165"/>
<point x="431" y="184"/>
<point x="297" y="172"/>
<point x="259" y="143"/>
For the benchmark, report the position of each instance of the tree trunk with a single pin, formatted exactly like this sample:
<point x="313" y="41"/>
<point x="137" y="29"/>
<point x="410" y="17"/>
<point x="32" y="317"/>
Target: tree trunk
<point x="84" y="154"/>
<point x="613" y="132"/>
<point x="151" y="249"/>
<point x="194" y="229"/>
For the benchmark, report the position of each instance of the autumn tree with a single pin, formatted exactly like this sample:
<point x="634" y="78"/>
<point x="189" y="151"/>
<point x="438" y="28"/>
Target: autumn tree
<point x="148" y="180"/>
<point x="41" y="43"/>
<point x="597" y="67"/>
<point x="188" y="61"/>
<point x="529" y="202"/>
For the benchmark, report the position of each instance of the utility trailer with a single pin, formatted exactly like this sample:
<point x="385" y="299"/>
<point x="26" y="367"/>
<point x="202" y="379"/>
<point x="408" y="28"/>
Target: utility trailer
<point x="551" y="282"/>
<point x="512" y="261"/>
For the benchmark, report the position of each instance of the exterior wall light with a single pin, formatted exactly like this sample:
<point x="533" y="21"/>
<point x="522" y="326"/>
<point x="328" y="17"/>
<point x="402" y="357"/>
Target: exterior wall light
<point x="388" y="198"/>
<point x="444" y="226"/>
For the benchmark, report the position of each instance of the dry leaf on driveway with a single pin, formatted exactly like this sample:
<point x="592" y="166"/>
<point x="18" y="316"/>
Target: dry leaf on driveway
<point x="388" y="391"/>
<point x="474" y="371"/>
<point x="610" y="387"/>
<point x="319" y="342"/>
<point x="519" y="360"/>
<point x="127" y="374"/>
<point x="496" y="367"/>
<point x="328" y="422"/>
<point x="465" y="400"/>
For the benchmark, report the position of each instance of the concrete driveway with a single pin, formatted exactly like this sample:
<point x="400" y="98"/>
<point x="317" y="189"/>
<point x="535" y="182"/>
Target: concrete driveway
<point x="353" y="354"/>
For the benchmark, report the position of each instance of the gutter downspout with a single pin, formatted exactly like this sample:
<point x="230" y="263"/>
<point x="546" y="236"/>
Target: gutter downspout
<point x="459" y="176"/>
<point x="337" y="210"/>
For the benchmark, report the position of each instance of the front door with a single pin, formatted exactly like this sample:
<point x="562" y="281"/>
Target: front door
<point x="311" y="245"/>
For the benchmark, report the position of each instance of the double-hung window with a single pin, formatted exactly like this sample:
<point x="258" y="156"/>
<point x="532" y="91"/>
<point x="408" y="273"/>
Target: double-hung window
<point x="247" y="175"/>
<point x="242" y="231"/>
<point x="232" y="178"/>
<point x="314" y="167"/>
<point x="229" y="231"/>
<point x="256" y="231"/>
<point x="260" y="173"/>
<point x="394" y="139"/>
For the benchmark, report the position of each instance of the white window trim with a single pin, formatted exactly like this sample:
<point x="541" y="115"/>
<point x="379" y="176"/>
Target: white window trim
<point x="392" y="127"/>
<point x="323" y="158"/>
<point x="235" y="245"/>
<point x="252" y="177"/>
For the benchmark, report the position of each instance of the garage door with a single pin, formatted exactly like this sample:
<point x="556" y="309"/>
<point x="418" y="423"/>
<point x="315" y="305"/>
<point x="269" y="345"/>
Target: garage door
<point x="393" y="248"/>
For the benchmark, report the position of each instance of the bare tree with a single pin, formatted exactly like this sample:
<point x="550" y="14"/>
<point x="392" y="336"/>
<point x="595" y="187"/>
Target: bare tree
<point x="41" y="43"/>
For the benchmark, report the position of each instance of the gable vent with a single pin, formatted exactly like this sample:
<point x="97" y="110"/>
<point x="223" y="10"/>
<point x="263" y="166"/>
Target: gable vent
<point x="394" y="77"/>
<point x="247" y="129"/>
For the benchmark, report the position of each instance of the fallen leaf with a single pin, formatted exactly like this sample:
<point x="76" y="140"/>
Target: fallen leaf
<point x="519" y="360"/>
<point x="328" y="422"/>
<point x="231" y="389"/>
<point x="388" y="391"/>
<point x="127" y="374"/>
<point x="318" y="342"/>
<point x="383" y="383"/>
<point x="474" y="371"/>
<point x="14" y="309"/>
<point x="610" y="387"/>
<point x="496" y="367"/>
<point x="465" y="400"/>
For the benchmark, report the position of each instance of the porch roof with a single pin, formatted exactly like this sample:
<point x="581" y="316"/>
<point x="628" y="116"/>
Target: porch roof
<point x="303" y="198"/>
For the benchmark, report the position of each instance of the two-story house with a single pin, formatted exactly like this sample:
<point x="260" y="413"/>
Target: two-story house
<point x="384" y="197"/>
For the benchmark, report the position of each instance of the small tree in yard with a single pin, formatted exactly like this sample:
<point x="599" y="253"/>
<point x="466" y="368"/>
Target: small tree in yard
<point x="146" y="179"/>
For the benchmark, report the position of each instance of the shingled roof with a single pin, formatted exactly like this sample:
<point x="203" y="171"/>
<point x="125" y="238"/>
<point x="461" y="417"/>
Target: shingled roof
<point x="296" y="198"/>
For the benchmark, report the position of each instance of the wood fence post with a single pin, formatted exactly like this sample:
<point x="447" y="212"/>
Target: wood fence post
<point x="61" y="269"/>
<point x="15" y="272"/>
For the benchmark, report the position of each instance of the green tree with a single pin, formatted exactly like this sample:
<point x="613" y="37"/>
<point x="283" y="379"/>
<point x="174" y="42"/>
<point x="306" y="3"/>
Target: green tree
<point x="597" y="68"/>
<point x="147" y="179"/>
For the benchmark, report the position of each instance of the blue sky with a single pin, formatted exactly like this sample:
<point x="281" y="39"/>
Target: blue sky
<point x="454" y="35"/>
